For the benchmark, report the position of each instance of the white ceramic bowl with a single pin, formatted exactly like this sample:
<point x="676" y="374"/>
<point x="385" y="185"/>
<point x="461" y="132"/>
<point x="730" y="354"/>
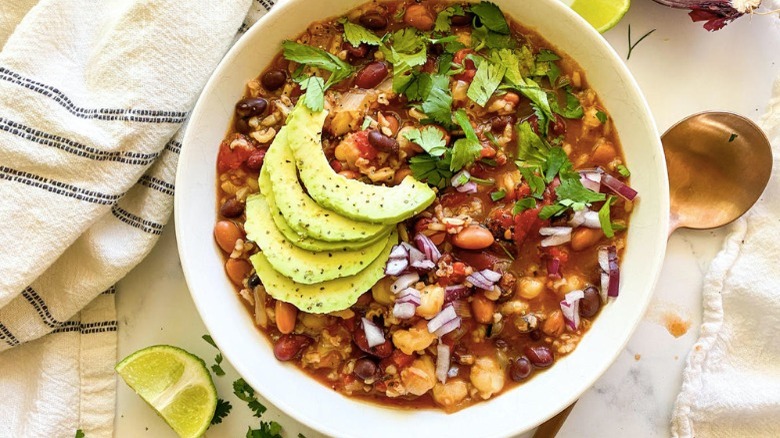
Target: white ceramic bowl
<point x="314" y="404"/>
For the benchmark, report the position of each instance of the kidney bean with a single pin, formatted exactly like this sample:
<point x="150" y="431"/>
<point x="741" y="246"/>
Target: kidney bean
<point x="226" y="233"/>
<point x="273" y="79"/>
<point x="520" y="368"/>
<point x="540" y="356"/>
<point x="371" y="75"/>
<point x="286" y="314"/>
<point x="382" y="142"/>
<point x="251" y="106"/>
<point x="462" y="20"/>
<point x="287" y="347"/>
<point x="591" y="302"/>
<point x="381" y="351"/>
<point x="419" y="16"/>
<point x="358" y="52"/>
<point x="365" y="368"/>
<point x="535" y="335"/>
<point x="473" y="237"/>
<point x="231" y="208"/>
<point x="255" y="160"/>
<point x="373" y="20"/>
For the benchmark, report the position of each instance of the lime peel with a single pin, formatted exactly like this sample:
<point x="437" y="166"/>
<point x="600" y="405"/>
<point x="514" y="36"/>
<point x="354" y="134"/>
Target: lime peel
<point x="601" y="14"/>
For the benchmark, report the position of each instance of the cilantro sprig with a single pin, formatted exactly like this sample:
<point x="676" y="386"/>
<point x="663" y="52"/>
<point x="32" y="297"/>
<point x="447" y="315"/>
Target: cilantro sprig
<point x="315" y="86"/>
<point x="217" y="367"/>
<point x="356" y="34"/>
<point x="465" y="150"/>
<point x="430" y="138"/>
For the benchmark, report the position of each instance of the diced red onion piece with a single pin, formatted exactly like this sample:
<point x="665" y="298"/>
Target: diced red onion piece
<point x="404" y="310"/>
<point x="374" y="334"/>
<point x="618" y="187"/>
<point x="479" y="280"/>
<point x="554" y="267"/>
<point x="608" y="261"/>
<point x="591" y="180"/>
<point x="396" y="266"/>
<point x="570" y="306"/>
<point x="604" y="259"/>
<point x="461" y="178"/>
<point x="557" y="235"/>
<point x="462" y="308"/>
<point x="424" y="265"/>
<point x="604" y="287"/>
<point x="453" y="372"/>
<point x="455" y="292"/>
<point x="442" y="362"/>
<point x="409" y="295"/>
<point x="404" y="281"/>
<point x="491" y="275"/>
<point x="577" y="219"/>
<point x="445" y="315"/>
<point x="399" y="252"/>
<point x="448" y="327"/>
<point x="426" y="245"/>
<point x="469" y="187"/>
<point x="592" y="219"/>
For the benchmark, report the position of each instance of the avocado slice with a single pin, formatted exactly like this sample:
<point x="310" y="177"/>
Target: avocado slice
<point x="329" y="296"/>
<point x="304" y="242"/>
<point x="351" y="198"/>
<point x="302" y="214"/>
<point x="302" y="266"/>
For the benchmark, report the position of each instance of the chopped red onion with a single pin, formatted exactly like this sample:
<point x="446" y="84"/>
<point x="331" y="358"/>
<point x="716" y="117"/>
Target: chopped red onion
<point x="374" y="334"/>
<point x="461" y="178"/>
<point x="426" y="245"/>
<point x="455" y="292"/>
<point x="404" y="310"/>
<point x="448" y="327"/>
<point x="442" y="362"/>
<point x="404" y="281"/>
<point x="604" y="287"/>
<point x="424" y="265"/>
<point x="557" y="235"/>
<point x="445" y="315"/>
<point x="618" y="187"/>
<point x="396" y="266"/>
<point x="608" y="261"/>
<point x="462" y="308"/>
<point x="554" y="267"/>
<point x="570" y="306"/>
<point x="591" y="180"/>
<point x="399" y="252"/>
<point x="453" y="372"/>
<point x="484" y="279"/>
<point x="469" y="187"/>
<point x="409" y="295"/>
<point x="585" y="217"/>
<point x="417" y="260"/>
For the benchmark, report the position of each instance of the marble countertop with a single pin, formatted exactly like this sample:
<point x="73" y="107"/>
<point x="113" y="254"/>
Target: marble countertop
<point x="682" y="69"/>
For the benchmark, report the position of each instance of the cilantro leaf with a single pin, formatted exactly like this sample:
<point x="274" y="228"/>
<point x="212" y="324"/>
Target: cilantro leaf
<point x="314" y="98"/>
<point x="511" y="61"/>
<point x="465" y="150"/>
<point x="356" y="34"/>
<point x="443" y="18"/>
<point x="523" y="204"/>
<point x="419" y="86"/>
<point x="482" y="37"/>
<point x="79" y="433"/>
<point x="549" y="211"/>
<point x="210" y="340"/>
<point x="485" y="82"/>
<point x="556" y="160"/>
<point x="435" y="171"/>
<point x="438" y="103"/>
<point x="604" y="217"/>
<point x="623" y="170"/>
<point x="573" y="109"/>
<point x="491" y="17"/>
<point x="244" y="392"/>
<point x="268" y="429"/>
<point x="315" y="57"/>
<point x="222" y="411"/>
<point x="546" y="55"/>
<point x="498" y="195"/>
<point x="602" y="116"/>
<point x="535" y="182"/>
<point x="407" y="40"/>
<point x="429" y="138"/>
<point x="531" y="149"/>
<point x="572" y="190"/>
<point x="537" y="96"/>
<point x="216" y="368"/>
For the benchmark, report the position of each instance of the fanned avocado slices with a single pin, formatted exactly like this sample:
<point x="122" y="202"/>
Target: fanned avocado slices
<point x="296" y="239"/>
<point x="300" y="265"/>
<point x="329" y="296"/>
<point x="303" y="214"/>
<point x="351" y="198"/>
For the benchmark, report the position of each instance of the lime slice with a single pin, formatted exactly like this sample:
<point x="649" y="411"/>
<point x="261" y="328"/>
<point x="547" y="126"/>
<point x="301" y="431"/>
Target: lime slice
<point x="601" y="14"/>
<point x="175" y="383"/>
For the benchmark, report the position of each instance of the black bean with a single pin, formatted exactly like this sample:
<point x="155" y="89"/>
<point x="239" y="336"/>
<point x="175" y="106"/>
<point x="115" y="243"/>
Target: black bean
<point x="461" y="20"/>
<point x="254" y="281"/>
<point x="520" y="368"/>
<point x="373" y="20"/>
<point x="251" y="107"/>
<point x="273" y="79"/>
<point x="382" y="142"/>
<point x="355" y="53"/>
<point x="231" y="208"/>
<point x="365" y="368"/>
<point x="540" y="356"/>
<point x="591" y="302"/>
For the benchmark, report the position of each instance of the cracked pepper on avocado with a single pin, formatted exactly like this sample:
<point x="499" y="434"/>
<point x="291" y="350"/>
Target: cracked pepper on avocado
<point x="422" y="204"/>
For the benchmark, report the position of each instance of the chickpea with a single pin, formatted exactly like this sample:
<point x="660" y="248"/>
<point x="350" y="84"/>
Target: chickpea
<point x="553" y="325"/>
<point x="487" y="376"/>
<point x="431" y="301"/>
<point x="570" y="283"/>
<point x="420" y="376"/>
<point x="451" y="393"/>
<point x="348" y="152"/>
<point x="584" y="238"/>
<point x="482" y="308"/>
<point x="417" y="338"/>
<point x="382" y="293"/>
<point x="529" y="287"/>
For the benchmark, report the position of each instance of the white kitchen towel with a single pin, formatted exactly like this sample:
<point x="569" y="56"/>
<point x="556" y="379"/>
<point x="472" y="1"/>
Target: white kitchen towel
<point x="92" y="94"/>
<point x="731" y="383"/>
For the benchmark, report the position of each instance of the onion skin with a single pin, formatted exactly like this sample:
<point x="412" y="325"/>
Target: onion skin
<point x="714" y="13"/>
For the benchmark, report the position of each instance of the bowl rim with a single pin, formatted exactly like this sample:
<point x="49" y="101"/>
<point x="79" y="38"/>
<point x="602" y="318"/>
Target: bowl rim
<point x="283" y="9"/>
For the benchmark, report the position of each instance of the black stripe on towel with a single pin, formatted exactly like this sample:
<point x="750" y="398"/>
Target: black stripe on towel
<point x="57" y="187"/>
<point x="130" y="115"/>
<point x="40" y="306"/>
<point x="134" y="221"/>
<point x="73" y="147"/>
<point x="88" y="328"/>
<point x="110" y="291"/>
<point x="157" y="184"/>
<point x="173" y="146"/>
<point x="267" y="4"/>
<point x="7" y="336"/>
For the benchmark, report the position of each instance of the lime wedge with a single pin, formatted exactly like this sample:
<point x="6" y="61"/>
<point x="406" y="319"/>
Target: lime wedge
<point x="601" y="14"/>
<point x="174" y="383"/>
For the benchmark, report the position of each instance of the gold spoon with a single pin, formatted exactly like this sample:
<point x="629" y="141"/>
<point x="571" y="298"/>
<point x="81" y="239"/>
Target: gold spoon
<point x="719" y="164"/>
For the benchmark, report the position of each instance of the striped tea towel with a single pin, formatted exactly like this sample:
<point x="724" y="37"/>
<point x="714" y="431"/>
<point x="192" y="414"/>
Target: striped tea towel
<point x="92" y="94"/>
<point x="731" y="383"/>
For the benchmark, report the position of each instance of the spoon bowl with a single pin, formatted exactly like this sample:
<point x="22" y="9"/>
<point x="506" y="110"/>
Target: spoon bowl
<point x="719" y="164"/>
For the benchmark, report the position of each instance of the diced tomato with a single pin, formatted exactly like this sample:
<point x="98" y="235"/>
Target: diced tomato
<point x="400" y="359"/>
<point x="231" y="159"/>
<point x="459" y="268"/>
<point x="487" y="152"/>
<point x="336" y="165"/>
<point x="361" y="141"/>
<point x="469" y="68"/>
<point x="478" y="260"/>
<point x="523" y="191"/>
<point x="526" y="223"/>
<point x="558" y="253"/>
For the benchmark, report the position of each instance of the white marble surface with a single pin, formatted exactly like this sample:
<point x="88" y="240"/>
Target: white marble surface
<point x="682" y="69"/>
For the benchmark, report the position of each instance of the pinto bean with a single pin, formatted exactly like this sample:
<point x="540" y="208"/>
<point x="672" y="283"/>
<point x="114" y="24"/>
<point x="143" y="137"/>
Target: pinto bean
<point x="237" y="270"/>
<point x="371" y="75"/>
<point x="286" y="314"/>
<point x="482" y="308"/>
<point x="358" y="52"/>
<point x="373" y="20"/>
<point x="553" y="325"/>
<point x="419" y="16"/>
<point x="473" y="237"/>
<point x="226" y="233"/>
<point x="365" y="368"/>
<point x="255" y="161"/>
<point x="584" y="238"/>
<point x="382" y="142"/>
